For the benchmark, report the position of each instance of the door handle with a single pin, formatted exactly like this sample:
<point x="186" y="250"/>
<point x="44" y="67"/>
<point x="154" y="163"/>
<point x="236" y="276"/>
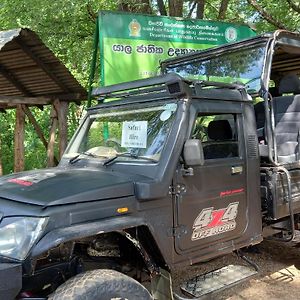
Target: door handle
<point x="236" y="170"/>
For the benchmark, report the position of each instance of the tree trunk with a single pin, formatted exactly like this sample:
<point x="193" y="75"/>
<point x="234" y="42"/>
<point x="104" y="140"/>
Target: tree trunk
<point x="175" y="8"/>
<point x="200" y="9"/>
<point x="223" y="9"/>
<point x="162" y="7"/>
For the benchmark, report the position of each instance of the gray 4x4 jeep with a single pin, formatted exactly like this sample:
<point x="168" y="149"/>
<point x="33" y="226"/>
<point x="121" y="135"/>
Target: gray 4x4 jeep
<point x="169" y="174"/>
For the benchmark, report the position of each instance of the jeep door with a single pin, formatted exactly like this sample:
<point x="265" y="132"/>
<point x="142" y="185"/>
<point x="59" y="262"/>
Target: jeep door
<point x="210" y="205"/>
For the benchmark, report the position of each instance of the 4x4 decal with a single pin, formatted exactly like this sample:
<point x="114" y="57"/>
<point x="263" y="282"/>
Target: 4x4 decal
<point x="212" y="222"/>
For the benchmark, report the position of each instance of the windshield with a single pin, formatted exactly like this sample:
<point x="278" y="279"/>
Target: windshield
<point x="243" y="66"/>
<point x="123" y="134"/>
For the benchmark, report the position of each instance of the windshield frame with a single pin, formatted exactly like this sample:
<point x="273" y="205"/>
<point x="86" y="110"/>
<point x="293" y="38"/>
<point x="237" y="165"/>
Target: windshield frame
<point x="82" y="129"/>
<point x="203" y="55"/>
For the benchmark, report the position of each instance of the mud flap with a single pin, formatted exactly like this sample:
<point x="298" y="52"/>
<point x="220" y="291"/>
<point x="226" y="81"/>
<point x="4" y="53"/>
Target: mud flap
<point x="161" y="285"/>
<point x="217" y="280"/>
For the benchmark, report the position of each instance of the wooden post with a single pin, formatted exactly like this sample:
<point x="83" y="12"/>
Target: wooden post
<point x="1" y="166"/>
<point x="19" y="139"/>
<point x="62" y="113"/>
<point x="51" y="143"/>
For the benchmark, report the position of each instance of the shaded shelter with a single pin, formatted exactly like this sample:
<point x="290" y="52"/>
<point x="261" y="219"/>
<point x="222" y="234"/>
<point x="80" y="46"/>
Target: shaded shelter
<point x="31" y="75"/>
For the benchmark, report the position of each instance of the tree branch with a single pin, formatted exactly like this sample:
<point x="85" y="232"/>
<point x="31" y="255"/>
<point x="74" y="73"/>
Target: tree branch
<point x="140" y="6"/>
<point x="175" y="8"/>
<point x="266" y="15"/>
<point x="91" y="13"/>
<point x="212" y="6"/>
<point x="223" y="9"/>
<point x="294" y="6"/>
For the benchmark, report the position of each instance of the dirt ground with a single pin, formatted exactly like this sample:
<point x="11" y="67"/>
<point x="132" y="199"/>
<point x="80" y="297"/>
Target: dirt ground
<point x="278" y="277"/>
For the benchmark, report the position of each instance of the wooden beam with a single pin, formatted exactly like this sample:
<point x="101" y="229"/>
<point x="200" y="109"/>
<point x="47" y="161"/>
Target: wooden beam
<point x="39" y="100"/>
<point x="51" y="144"/>
<point x="14" y="81"/>
<point x="35" y="125"/>
<point x="41" y="64"/>
<point x="19" y="140"/>
<point x="15" y="100"/>
<point x="74" y="97"/>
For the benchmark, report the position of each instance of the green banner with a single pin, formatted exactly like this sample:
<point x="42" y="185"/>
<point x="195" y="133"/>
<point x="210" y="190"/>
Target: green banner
<point x="131" y="45"/>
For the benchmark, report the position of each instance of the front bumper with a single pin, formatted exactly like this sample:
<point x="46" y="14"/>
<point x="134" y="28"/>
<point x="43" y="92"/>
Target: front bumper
<point x="10" y="280"/>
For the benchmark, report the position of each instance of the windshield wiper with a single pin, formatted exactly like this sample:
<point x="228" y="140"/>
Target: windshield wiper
<point x="127" y="154"/>
<point x="77" y="157"/>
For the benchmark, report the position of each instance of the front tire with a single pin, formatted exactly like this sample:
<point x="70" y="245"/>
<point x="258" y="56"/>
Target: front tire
<point x="101" y="285"/>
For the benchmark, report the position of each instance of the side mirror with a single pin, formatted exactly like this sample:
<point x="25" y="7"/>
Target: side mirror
<point x="193" y="153"/>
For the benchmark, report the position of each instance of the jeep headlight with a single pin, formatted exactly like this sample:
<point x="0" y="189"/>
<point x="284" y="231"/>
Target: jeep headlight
<point x="18" y="234"/>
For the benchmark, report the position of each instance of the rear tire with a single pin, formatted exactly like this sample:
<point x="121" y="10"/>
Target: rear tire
<point x="101" y="285"/>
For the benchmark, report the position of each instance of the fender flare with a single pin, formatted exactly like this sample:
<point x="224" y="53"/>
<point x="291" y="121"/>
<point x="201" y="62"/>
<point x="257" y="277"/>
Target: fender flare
<point x="66" y="234"/>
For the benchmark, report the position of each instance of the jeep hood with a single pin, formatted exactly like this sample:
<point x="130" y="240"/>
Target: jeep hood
<point x="58" y="186"/>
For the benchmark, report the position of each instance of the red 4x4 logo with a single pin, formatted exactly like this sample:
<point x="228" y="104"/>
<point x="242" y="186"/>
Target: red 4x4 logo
<point x="212" y="222"/>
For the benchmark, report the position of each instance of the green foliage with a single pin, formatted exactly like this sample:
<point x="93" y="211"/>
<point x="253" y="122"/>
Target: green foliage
<point x="7" y="139"/>
<point x="67" y="28"/>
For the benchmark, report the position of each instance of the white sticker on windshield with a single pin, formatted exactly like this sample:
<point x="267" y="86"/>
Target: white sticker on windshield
<point x="134" y="134"/>
<point x="170" y="106"/>
<point x="165" y="115"/>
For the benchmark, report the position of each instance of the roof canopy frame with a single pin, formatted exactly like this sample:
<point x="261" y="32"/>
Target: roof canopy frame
<point x="31" y="75"/>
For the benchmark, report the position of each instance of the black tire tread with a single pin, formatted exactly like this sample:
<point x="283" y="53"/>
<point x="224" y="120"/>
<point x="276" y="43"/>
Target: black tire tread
<point x="100" y="284"/>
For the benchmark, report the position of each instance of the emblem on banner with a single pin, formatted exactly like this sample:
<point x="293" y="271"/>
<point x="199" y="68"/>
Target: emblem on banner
<point x="134" y="28"/>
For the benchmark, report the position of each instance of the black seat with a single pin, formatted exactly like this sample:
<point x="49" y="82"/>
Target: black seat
<point x="220" y="144"/>
<point x="219" y="130"/>
<point x="259" y="110"/>
<point x="274" y="91"/>
<point x="287" y="119"/>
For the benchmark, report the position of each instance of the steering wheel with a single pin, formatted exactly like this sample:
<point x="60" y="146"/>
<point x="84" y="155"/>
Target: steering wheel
<point x="116" y="144"/>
